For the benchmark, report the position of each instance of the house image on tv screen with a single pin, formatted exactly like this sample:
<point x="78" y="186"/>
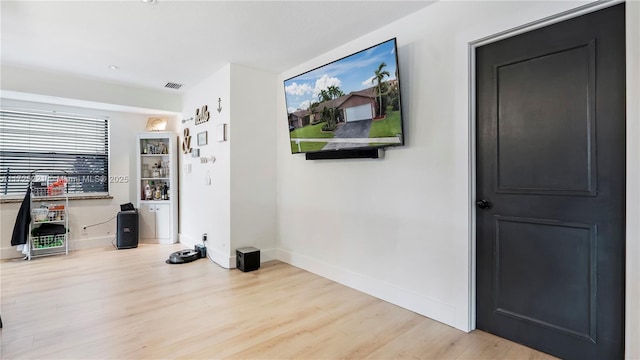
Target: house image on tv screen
<point x="350" y="103"/>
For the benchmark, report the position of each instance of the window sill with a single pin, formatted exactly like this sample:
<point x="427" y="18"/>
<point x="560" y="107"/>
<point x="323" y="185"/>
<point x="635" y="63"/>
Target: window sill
<point x="71" y="198"/>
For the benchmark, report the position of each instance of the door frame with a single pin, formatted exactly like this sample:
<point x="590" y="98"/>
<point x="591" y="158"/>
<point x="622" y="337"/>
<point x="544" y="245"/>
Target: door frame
<point x="632" y="230"/>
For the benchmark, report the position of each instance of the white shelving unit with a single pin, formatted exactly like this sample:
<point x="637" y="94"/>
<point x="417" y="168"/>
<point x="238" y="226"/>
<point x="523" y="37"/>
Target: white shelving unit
<point x="156" y="166"/>
<point x="49" y="206"/>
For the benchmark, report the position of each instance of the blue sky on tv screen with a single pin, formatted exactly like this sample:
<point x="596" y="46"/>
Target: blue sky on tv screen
<point x="352" y="73"/>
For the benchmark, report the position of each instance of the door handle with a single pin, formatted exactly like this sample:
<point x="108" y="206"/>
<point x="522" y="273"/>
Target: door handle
<point x="483" y="204"/>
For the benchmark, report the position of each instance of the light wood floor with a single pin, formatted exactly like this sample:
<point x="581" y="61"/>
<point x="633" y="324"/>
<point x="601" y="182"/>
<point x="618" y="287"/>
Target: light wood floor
<point x="129" y="304"/>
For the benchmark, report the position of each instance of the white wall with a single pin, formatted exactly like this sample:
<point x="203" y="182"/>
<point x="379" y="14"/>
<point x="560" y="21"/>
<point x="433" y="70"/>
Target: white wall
<point x="253" y="157"/>
<point x="123" y="127"/>
<point x="238" y="209"/>
<point x="400" y="228"/>
<point x="205" y="208"/>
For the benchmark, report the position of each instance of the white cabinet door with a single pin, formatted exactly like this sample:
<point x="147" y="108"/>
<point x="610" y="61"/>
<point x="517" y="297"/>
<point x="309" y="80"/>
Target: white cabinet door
<point x="163" y="221"/>
<point x="147" y="221"/>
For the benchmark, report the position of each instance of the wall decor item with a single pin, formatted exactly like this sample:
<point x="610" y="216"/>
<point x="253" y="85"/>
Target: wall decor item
<point x="202" y="138"/>
<point x="156" y="124"/>
<point x="221" y="133"/>
<point x="186" y="142"/>
<point x="185" y="120"/>
<point x="195" y="153"/>
<point x="207" y="159"/>
<point x="202" y="115"/>
<point x="219" y="105"/>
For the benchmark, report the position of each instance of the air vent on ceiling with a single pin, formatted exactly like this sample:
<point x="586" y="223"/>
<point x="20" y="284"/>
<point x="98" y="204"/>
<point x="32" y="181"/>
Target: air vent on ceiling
<point x="171" y="85"/>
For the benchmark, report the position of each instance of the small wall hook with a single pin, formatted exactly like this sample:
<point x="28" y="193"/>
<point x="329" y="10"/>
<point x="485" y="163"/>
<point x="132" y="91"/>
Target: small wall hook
<point x="207" y="159"/>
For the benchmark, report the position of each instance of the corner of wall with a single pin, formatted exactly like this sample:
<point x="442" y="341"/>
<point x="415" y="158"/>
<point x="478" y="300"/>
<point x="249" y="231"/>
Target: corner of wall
<point x="204" y="196"/>
<point x="253" y="158"/>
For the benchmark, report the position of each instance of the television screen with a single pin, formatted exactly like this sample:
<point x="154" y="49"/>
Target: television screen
<point x="350" y="103"/>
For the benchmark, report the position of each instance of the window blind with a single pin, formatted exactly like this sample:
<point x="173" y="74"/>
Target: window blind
<point x="55" y="144"/>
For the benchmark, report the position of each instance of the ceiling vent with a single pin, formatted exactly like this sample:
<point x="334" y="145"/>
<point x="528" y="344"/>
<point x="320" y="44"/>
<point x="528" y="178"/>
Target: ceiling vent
<point x="171" y="85"/>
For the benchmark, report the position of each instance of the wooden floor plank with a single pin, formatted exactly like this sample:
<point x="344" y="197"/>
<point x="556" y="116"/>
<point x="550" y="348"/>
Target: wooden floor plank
<point x="130" y="304"/>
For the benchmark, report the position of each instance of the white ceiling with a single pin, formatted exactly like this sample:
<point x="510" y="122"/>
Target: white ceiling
<point x="181" y="41"/>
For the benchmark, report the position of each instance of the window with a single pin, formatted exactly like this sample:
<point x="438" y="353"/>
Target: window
<point x="56" y="143"/>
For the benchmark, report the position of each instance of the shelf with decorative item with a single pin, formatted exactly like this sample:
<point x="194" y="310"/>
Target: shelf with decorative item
<point x="154" y="147"/>
<point x="155" y="201"/>
<point x="155" y="169"/>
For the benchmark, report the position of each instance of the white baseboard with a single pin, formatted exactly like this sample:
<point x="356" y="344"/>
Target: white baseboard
<point x="89" y="243"/>
<point x="224" y="260"/>
<point x="216" y="256"/>
<point x="221" y="258"/>
<point x="187" y="241"/>
<point x="265" y="255"/>
<point x="431" y="308"/>
<point x="157" y="241"/>
<point x="10" y="253"/>
<point x="74" y="244"/>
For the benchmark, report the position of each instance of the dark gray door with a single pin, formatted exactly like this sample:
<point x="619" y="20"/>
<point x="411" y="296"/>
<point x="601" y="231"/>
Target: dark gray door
<point x="551" y="187"/>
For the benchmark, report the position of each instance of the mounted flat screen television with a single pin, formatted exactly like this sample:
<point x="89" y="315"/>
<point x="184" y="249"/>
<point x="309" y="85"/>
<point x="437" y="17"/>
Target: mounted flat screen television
<point x="349" y="104"/>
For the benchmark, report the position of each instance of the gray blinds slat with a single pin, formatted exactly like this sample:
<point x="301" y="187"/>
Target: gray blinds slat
<point x="78" y="145"/>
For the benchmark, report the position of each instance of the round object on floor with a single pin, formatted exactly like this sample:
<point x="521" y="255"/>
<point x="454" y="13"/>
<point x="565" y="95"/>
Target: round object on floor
<point x="183" y="256"/>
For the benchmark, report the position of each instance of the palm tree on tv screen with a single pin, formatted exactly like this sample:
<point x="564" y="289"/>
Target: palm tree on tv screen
<point x="324" y="96"/>
<point x="379" y="76"/>
<point x="312" y="111"/>
<point x="334" y="92"/>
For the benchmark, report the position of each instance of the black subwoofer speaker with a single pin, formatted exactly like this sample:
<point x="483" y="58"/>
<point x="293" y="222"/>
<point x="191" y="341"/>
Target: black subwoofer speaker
<point x="247" y="259"/>
<point x="127" y="229"/>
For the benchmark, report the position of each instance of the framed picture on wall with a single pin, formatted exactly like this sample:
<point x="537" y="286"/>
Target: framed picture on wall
<point x="202" y="138"/>
<point x="221" y="132"/>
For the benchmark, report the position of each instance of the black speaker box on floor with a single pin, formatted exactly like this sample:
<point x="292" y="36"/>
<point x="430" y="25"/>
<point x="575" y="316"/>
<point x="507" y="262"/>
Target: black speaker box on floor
<point x="247" y="259"/>
<point x="127" y="229"/>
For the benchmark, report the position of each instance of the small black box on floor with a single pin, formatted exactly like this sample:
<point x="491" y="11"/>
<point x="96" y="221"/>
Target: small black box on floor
<point x="201" y="250"/>
<point x="127" y="229"/>
<point x="247" y="259"/>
